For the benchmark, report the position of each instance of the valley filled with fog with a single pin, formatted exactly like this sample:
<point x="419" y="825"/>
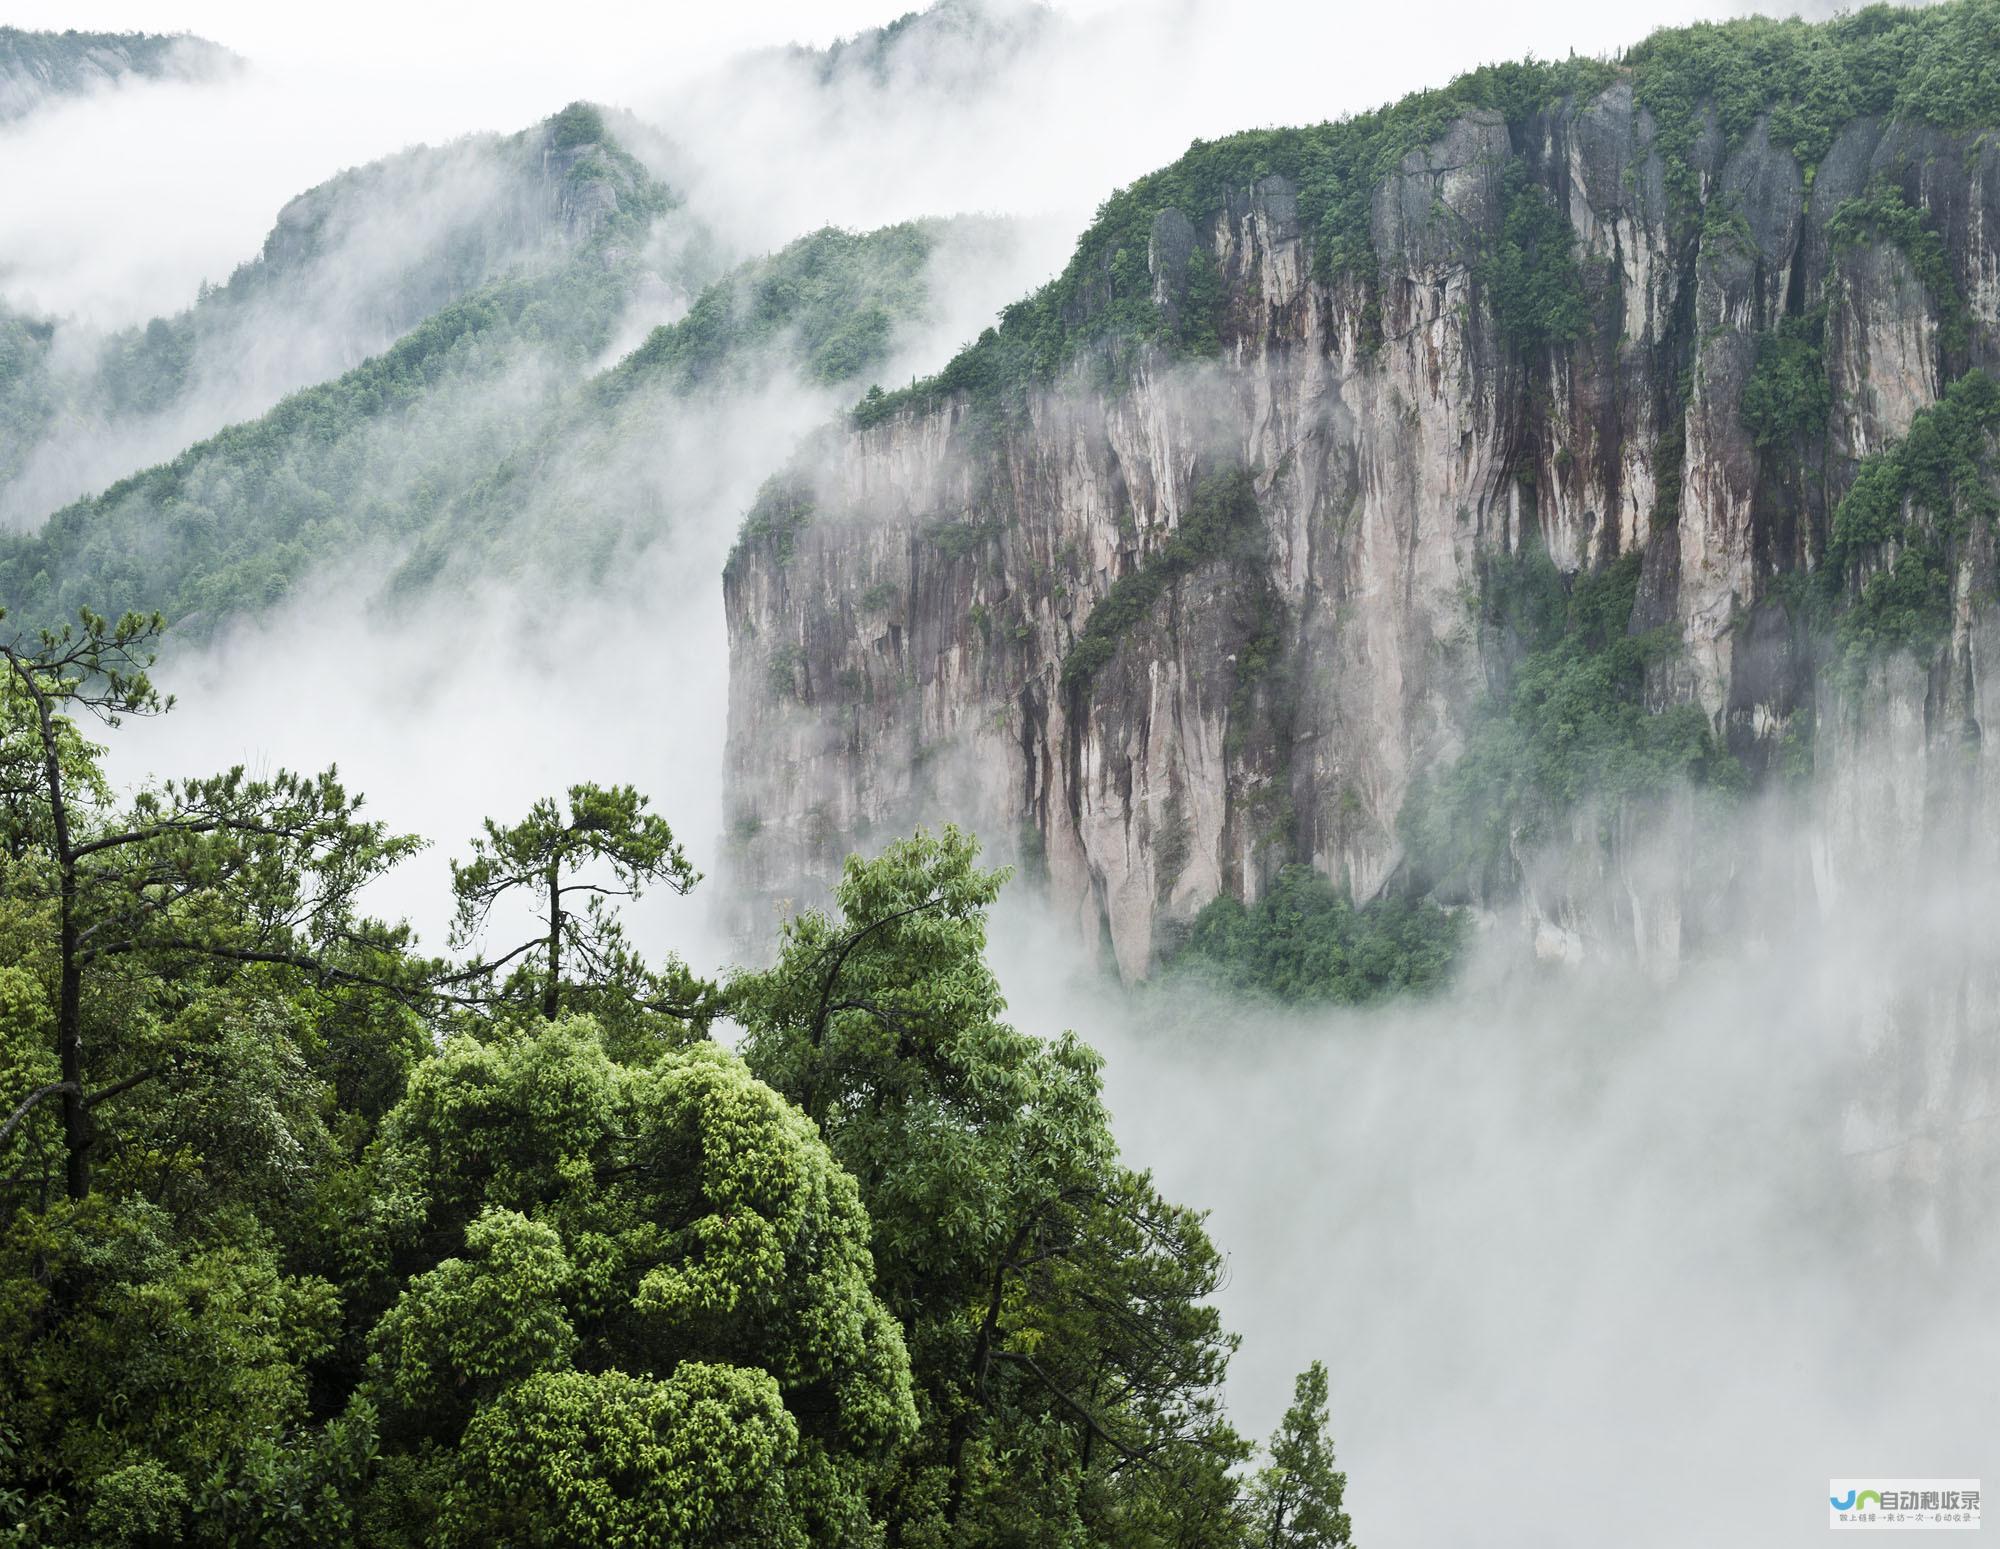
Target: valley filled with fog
<point x="430" y="410"/>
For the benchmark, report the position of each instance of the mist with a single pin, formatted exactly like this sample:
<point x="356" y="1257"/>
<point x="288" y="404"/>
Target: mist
<point x="1592" y="1258"/>
<point x="514" y="686"/>
<point x="130" y="198"/>
<point x="1090" y="97"/>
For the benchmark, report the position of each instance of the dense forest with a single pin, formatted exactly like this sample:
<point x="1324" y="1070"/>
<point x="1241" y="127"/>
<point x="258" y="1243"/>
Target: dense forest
<point x="307" y="1236"/>
<point x="1920" y="65"/>
<point x="428" y="454"/>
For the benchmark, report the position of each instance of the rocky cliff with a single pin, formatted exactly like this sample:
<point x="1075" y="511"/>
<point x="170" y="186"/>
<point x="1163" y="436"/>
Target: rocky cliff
<point x="909" y="611"/>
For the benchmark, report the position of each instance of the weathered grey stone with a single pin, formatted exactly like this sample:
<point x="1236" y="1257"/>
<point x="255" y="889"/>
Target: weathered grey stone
<point x="1280" y="700"/>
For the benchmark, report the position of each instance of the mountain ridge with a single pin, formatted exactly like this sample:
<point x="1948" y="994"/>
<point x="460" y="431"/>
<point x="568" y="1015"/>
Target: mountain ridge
<point x="37" y="67"/>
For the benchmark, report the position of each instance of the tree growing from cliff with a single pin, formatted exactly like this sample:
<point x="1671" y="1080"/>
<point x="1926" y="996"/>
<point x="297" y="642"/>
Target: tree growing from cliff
<point x="1530" y="273"/>
<point x="1296" y="1500"/>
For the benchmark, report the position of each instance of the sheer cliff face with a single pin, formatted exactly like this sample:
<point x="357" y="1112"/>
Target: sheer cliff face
<point x="899" y="657"/>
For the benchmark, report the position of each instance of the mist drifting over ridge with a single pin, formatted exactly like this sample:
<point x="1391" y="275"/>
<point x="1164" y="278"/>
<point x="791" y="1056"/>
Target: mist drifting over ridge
<point x="1565" y="1233"/>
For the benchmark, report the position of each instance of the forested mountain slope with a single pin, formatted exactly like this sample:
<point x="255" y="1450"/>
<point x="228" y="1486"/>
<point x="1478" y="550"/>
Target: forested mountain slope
<point x="36" y="67"/>
<point x="348" y="268"/>
<point x="483" y="437"/>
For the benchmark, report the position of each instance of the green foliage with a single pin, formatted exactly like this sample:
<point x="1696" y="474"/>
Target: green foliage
<point x="1304" y="941"/>
<point x="1897" y="533"/>
<point x="581" y="123"/>
<point x="1221" y="518"/>
<point x="1296" y="1500"/>
<point x="1924" y="65"/>
<point x="1573" y="725"/>
<point x="233" y="523"/>
<point x="1199" y="332"/>
<point x="1531" y="278"/>
<point x="576" y="1457"/>
<point x="1920" y="64"/>
<point x="829" y="307"/>
<point x="1882" y="215"/>
<point x="515" y="232"/>
<point x="1788" y="398"/>
<point x="833" y="301"/>
<point x="781" y="673"/>
<point x="783" y="509"/>
<point x="185" y="989"/>
<point x="605" y="846"/>
<point x="956" y="540"/>
<point x="523" y="1278"/>
<point x="652" y="1256"/>
<point x="1065" y="1358"/>
<point x="38" y="65"/>
<point x="1104" y="296"/>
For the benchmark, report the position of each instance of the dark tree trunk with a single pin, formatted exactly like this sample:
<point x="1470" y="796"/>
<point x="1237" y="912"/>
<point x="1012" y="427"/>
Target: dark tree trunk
<point x="549" y="990"/>
<point x="69" y="1048"/>
<point x="69" y="998"/>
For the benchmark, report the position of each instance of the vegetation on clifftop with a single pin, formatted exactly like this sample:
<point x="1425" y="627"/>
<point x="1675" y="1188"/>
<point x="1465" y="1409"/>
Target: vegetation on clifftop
<point x="35" y="66"/>
<point x="832" y="301"/>
<point x="1927" y="65"/>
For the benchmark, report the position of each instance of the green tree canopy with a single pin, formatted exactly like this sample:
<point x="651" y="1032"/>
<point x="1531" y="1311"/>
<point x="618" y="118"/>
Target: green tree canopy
<point x="1296" y="1501"/>
<point x="605" y="845"/>
<point x="1066" y="1358"/>
<point x="668" y="1245"/>
<point x="370" y="1250"/>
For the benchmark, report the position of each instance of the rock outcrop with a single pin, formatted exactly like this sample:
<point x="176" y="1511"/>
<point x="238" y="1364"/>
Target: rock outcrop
<point x="899" y="657"/>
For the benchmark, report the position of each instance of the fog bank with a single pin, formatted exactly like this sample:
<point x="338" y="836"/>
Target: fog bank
<point x="1592" y="1259"/>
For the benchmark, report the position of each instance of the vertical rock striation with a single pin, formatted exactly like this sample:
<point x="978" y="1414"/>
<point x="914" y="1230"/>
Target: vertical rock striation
<point x="902" y="610"/>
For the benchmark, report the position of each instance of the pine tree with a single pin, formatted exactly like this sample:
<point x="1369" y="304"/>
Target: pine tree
<point x="1295" y="1503"/>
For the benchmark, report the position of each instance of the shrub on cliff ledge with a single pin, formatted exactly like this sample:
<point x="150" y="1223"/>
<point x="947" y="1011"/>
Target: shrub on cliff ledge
<point x="1573" y="724"/>
<point x="1531" y="278"/>
<point x="1306" y="940"/>
<point x="1896" y="535"/>
<point x="1787" y="396"/>
<point x="1222" y="512"/>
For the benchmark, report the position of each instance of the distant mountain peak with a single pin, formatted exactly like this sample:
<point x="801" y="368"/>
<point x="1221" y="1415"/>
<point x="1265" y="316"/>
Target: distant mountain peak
<point x="38" y="66"/>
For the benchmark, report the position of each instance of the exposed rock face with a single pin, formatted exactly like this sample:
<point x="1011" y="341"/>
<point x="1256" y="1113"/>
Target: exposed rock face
<point x="900" y="658"/>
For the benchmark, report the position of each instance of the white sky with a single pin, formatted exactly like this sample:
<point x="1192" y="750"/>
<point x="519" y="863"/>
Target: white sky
<point x="118" y="208"/>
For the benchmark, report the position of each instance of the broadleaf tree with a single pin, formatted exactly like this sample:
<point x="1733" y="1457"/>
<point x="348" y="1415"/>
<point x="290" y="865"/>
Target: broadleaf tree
<point x="1067" y="1357"/>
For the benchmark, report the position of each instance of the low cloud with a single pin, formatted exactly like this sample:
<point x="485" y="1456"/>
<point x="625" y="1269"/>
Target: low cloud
<point x="1594" y="1257"/>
